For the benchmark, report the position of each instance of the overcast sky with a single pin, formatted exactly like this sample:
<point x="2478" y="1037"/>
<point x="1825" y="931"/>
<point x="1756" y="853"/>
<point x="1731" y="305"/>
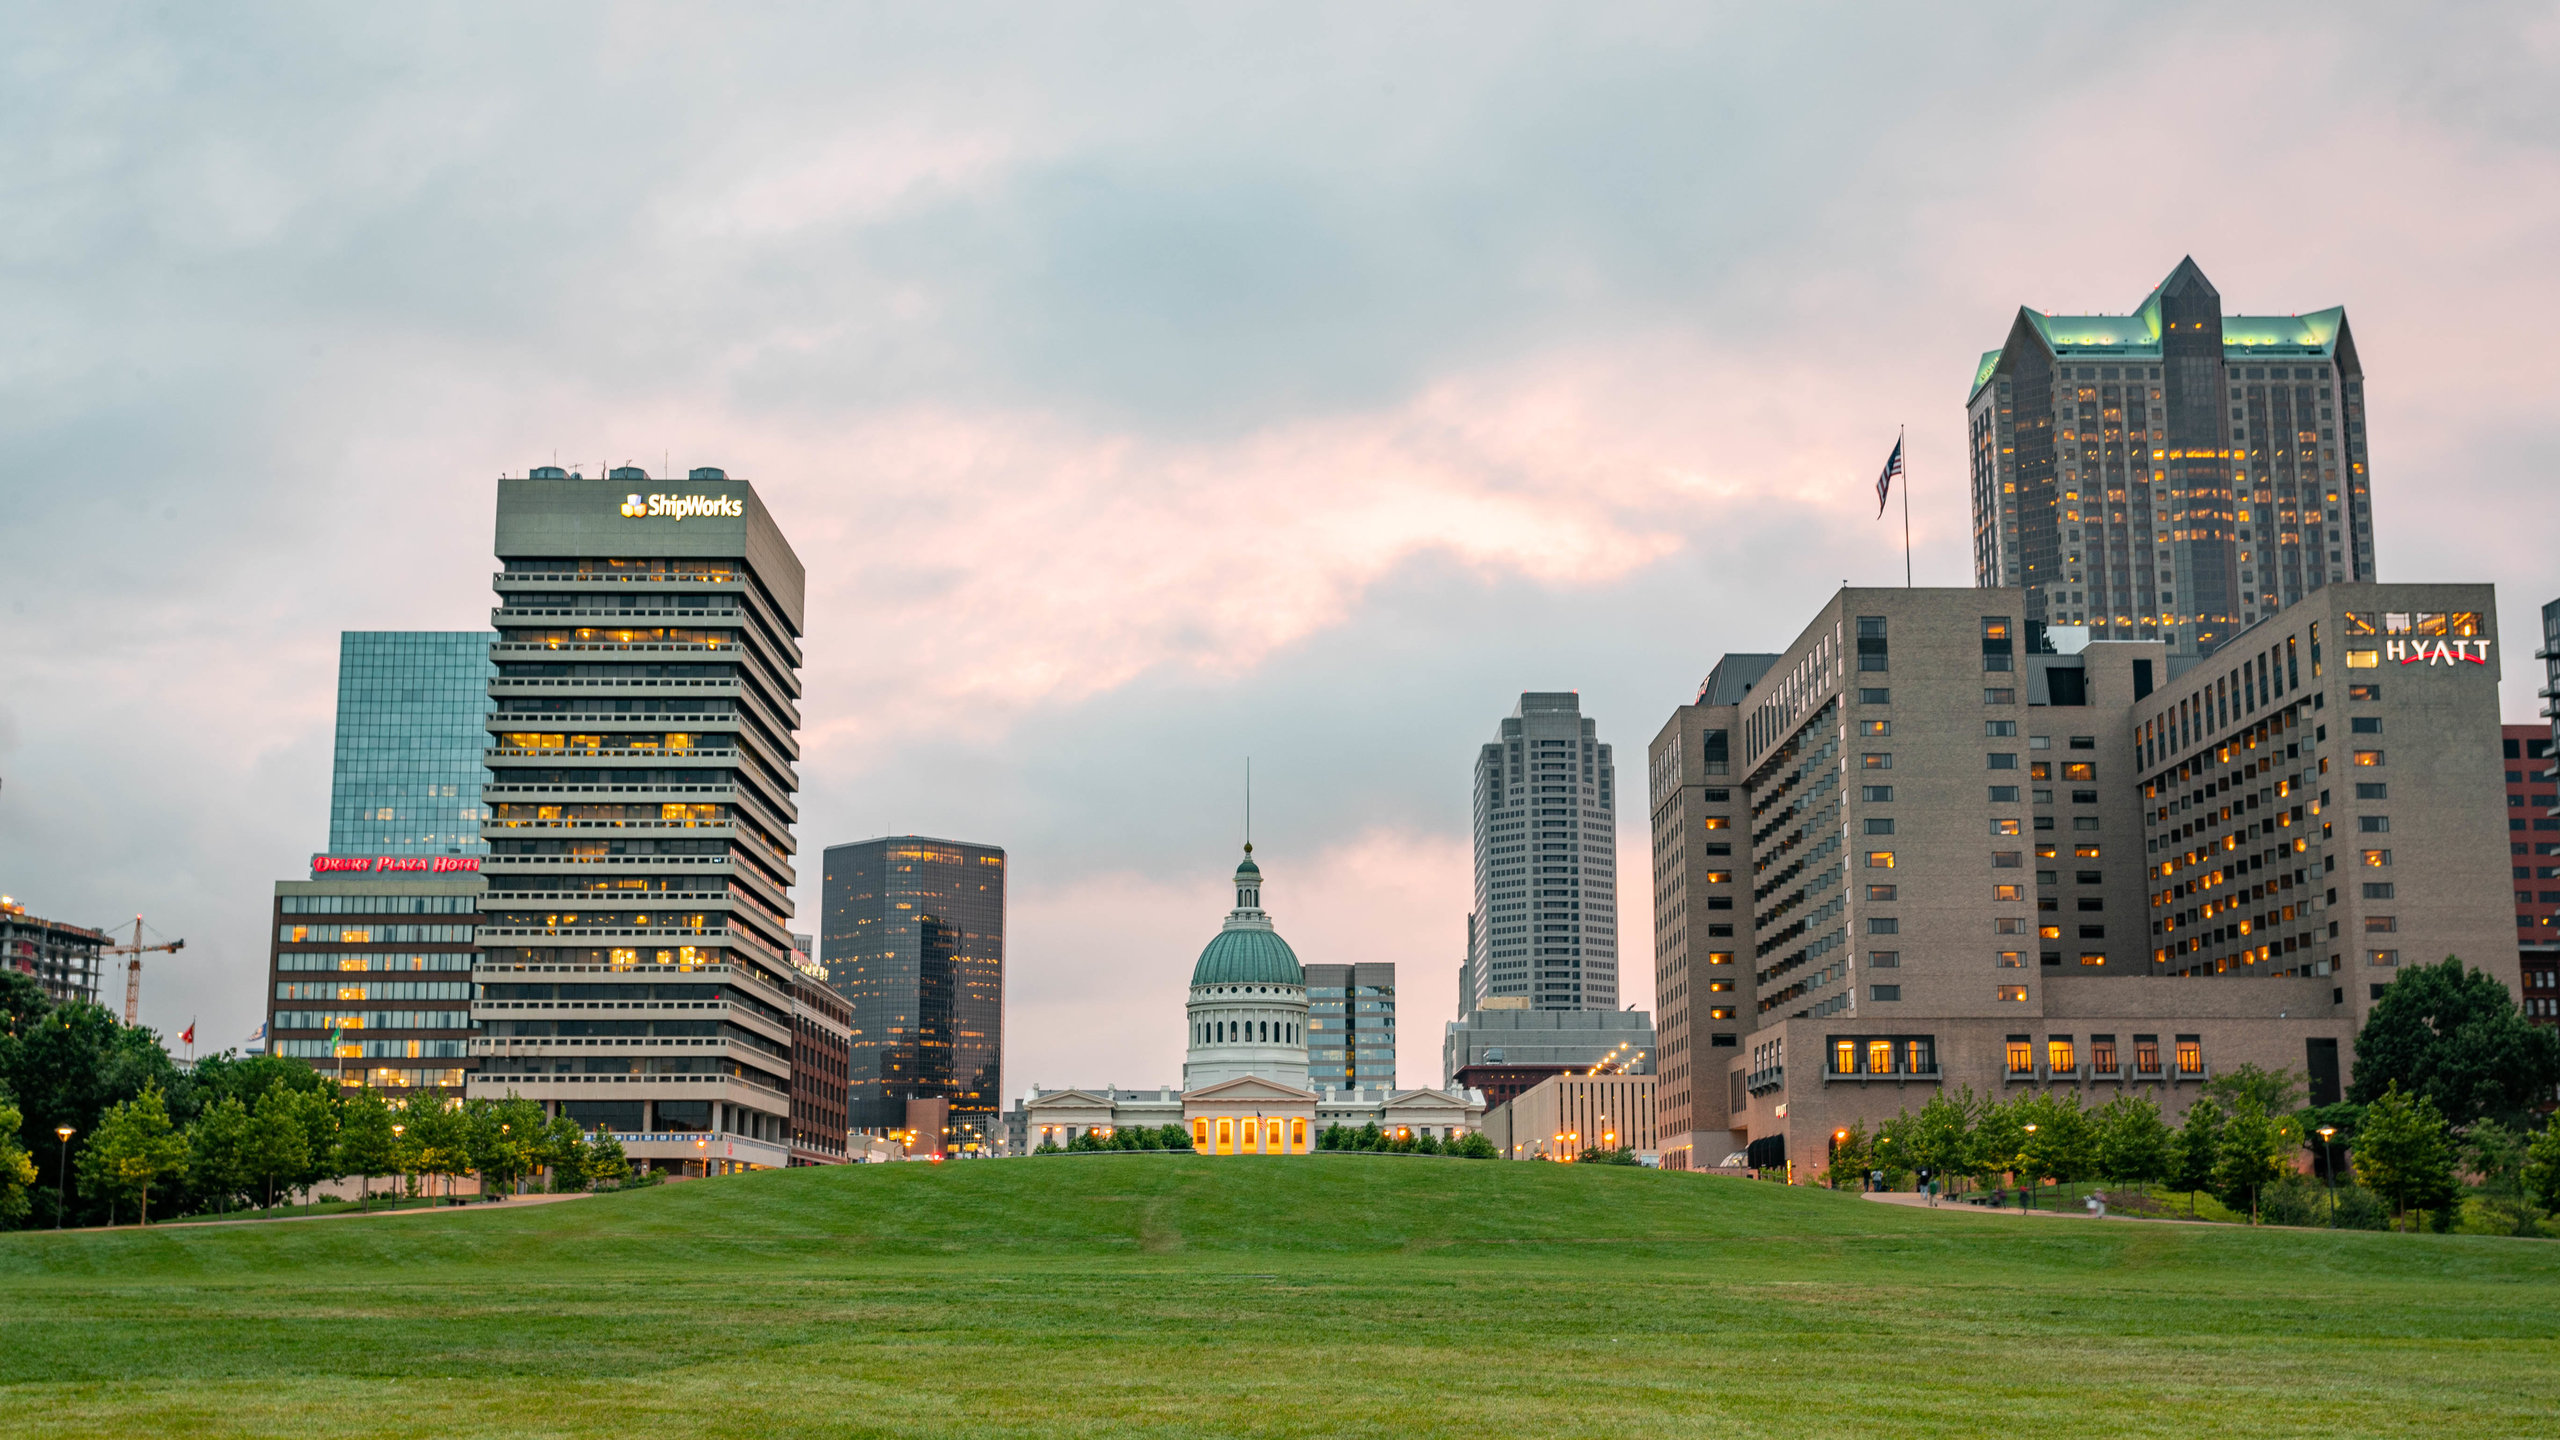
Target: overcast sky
<point x="1146" y="388"/>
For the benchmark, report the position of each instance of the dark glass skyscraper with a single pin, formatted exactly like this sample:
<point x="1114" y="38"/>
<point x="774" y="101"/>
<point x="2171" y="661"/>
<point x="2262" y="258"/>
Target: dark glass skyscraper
<point x="411" y="708"/>
<point x="913" y="932"/>
<point x="2172" y="473"/>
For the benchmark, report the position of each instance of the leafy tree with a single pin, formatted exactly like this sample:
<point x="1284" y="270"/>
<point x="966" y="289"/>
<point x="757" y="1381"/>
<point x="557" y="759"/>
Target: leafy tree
<point x="278" y="1152"/>
<point x="2542" y="1167"/>
<point x="1473" y="1146"/>
<point x="1176" y="1137"/>
<point x="2251" y="1155"/>
<point x="1371" y="1137"/>
<point x="218" y="1146"/>
<point x="17" y="1168"/>
<point x="563" y="1151"/>
<point x="2134" y="1146"/>
<point x="1330" y="1137"/>
<point x="439" y="1137"/>
<point x="248" y="1078"/>
<point x="2276" y="1092"/>
<point x="2454" y="1037"/>
<point x="2402" y="1154"/>
<point x="2064" y="1143"/>
<point x="1999" y="1134"/>
<point x="1939" y="1138"/>
<point x="366" y="1146"/>
<point x="70" y="1064"/>
<point x="1430" y="1145"/>
<point x="315" y="1113"/>
<point x="605" y="1164"/>
<point x="134" y="1145"/>
<point x="2496" y="1155"/>
<point x="2199" y="1148"/>
<point x="1850" y="1150"/>
<point x="504" y="1138"/>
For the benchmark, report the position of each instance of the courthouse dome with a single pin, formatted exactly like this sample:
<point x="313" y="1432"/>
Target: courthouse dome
<point x="1248" y="957"/>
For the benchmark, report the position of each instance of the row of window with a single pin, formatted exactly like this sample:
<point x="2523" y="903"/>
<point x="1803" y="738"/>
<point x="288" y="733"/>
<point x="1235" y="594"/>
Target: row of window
<point x="357" y="960"/>
<point x="377" y="905"/>
<point x="2062" y="1055"/>
<point x="374" y="934"/>
<point x="374" y="990"/>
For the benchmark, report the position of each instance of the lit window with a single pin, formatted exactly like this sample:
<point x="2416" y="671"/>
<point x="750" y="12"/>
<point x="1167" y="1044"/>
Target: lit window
<point x="2013" y="960"/>
<point x="2369" y="758"/>
<point x="1844" y="1057"/>
<point x="2190" y="1055"/>
<point x="1879" y="1057"/>
<point x="2008" y="892"/>
<point x="1719" y="822"/>
<point x="2022" y="1055"/>
<point x="2057" y="1055"/>
<point x="2093" y="959"/>
<point x="2004" y="827"/>
<point x="1879" y="859"/>
<point x="2364" y="659"/>
<point x="2085" y="852"/>
<point x="2009" y="994"/>
<point x="2376" y="859"/>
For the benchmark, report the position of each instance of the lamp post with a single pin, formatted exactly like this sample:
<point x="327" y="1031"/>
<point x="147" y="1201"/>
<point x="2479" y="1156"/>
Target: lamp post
<point x="702" y="1147"/>
<point x="2329" y="1170"/>
<point x="62" y="1175"/>
<point x="398" y="1130"/>
<point x="2026" y="1197"/>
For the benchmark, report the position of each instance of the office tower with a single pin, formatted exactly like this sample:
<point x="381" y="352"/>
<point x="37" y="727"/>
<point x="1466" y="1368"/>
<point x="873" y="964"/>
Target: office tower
<point x="1700" y="994"/>
<point x="640" y="779"/>
<point x="821" y="1053"/>
<point x="1546" y="861"/>
<point x="369" y="971"/>
<point x="2174" y="473"/>
<point x="408" y="769"/>
<point x="913" y="931"/>
<point x="1351" y="1026"/>
<point x="1977" y="861"/>
<point x="60" y="957"/>
<point x="2533" y="853"/>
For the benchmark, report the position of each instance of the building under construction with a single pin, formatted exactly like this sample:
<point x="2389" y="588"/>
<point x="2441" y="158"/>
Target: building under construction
<point x="62" y="958"/>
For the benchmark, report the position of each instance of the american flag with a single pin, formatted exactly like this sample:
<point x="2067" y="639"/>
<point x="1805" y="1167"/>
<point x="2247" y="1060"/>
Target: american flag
<point x="1884" y="482"/>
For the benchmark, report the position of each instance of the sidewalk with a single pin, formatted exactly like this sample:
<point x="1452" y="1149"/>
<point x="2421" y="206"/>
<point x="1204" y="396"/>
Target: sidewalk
<point x="2069" y="1212"/>
<point x="191" y="1223"/>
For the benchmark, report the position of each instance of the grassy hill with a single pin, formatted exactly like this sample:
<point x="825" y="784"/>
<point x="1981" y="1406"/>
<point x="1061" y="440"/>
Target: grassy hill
<point x="1339" y="1295"/>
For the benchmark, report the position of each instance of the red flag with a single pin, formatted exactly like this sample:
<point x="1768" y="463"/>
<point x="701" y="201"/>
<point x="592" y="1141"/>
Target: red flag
<point x="189" y="1036"/>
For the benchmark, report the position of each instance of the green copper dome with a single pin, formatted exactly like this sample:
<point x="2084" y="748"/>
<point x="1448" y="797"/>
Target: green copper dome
<point x="1248" y="957"/>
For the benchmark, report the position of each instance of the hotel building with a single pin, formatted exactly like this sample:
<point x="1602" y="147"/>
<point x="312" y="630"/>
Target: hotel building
<point x="2172" y="473"/>
<point x="1969" y="850"/>
<point x="635" y="946"/>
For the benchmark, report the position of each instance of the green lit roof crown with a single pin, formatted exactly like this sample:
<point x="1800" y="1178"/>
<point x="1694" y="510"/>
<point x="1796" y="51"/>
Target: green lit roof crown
<point x="1248" y="957"/>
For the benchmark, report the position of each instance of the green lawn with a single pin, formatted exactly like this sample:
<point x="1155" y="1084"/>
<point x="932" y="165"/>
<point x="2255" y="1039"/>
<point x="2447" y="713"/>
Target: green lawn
<point x="1337" y="1295"/>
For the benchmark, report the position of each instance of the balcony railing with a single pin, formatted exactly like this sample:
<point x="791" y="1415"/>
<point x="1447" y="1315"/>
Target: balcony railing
<point x="1927" y="1075"/>
<point x="1762" y="1081"/>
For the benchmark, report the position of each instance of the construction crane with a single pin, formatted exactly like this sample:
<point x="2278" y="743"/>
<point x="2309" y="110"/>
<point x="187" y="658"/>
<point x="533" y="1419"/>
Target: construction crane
<point x="133" y="967"/>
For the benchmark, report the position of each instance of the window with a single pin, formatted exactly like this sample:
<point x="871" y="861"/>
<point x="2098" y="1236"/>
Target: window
<point x="1715" y="797"/>
<point x="2079" y="770"/>
<point x="2011" y="995"/>
<point x="2382" y="957"/>
<point x="1871" y="642"/>
<point x="2009" y="925"/>
<point x="1884" y="992"/>
<point x="1884" y="959"/>
<point x="2088" y="958"/>
<point x="2008" y="892"/>
<point x="1881" y="892"/>
<point x="2373" y="824"/>
<point x="2048" y="932"/>
<point x="1998" y="728"/>
<point x="1877" y="762"/>
<point x="1872" y="695"/>
<point x="2372" y="790"/>
<point x="2085" y="852"/>
<point x="2377" y="859"/>
<point x="2364" y="692"/>
<point x="1719" y="987"/>
<point x="2102" y="1054"/>
<point x="2382" y="924"/>
<point x="1875" y="727"/>
<point x="1998" y="760"/>
<point x="2146" y="1054"/>
<point x="2058" y="1056"/>
<point x="1880" y="826"/>
<point x="2362" y="660"/>
<point x="2084" y="742"/>
<point x="1879" y="859"/>
<point x="2370" y="759"/>
<point x="1844" y="1057"/>
<point x="1992" y="696"/>
<point x="2021" y="1050"/>
<point x="2089" y="877"/>
<point x="2013" y="960"/>
<point x="2004" y="827"/>
<point x="2379" y="890"/>
<point x="2041" y="770"/>
<point x="1875" y="794"/>
<point x="2004" y="794"/>
<point x="2364" y="725"/>
<point x="2007" y="860"/>
<point x="1888" y="925"/>
<point x="1719" y="822"/>
<point x="2084" y="797"/>
<point x="2190" y="1055"/>
<point x="1719" y="957"/>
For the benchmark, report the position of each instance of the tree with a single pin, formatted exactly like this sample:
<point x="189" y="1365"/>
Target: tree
<point x="2542" y="1167"/>
<point x="366" y="1145"/>
<point x="502" y="1139"/>
<point x="605" y="1164"/>
<point x="2455" y="1038"/>
<point x="1939" y="1139"/>
<point x="2134" y="1146"/>
<point x="439" y="1137"/>
<point x="1999" y="1135"/>
<point x="68" y="1065"/>
<point x="1176" y="1138"/>
<point x="2251" y="1155"/>
<point x="134" y="1145"/>
<point x="218" y="1148"/>
<point x="17" y="1168"/>
<point x="2402" y="1153"/>
<point x="2275" y="1092"/>
<point x="315" y="1114"/>
<point x="2199" y="1147"/>
<point x="2064" y="1144"/>
<point x="563" y="1150"/>
<point x="1847" y="1169"/>
<point x="2496" y="1154"/>
<point x="277" y="1150"/>
<point x="1473" y="1146"/>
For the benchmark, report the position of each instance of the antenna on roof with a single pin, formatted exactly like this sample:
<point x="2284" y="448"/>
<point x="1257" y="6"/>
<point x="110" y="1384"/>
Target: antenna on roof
<point x="1248" y="804"/>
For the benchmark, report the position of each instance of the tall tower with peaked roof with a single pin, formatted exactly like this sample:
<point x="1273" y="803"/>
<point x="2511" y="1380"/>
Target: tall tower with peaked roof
<point x="2172" y="473"/>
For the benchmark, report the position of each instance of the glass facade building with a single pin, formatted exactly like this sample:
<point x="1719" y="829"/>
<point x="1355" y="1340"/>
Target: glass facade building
<point x="412" y="708"/>
<point x="1351" y="1026"/>
<point x="913" y="932"/>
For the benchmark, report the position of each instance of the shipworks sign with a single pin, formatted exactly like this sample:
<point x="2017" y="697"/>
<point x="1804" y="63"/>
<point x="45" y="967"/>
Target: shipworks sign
<point x="683" y="507"/>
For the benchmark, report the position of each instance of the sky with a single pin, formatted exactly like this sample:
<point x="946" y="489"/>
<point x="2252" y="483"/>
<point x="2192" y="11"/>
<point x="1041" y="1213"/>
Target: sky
<point x="1146" y="389"/>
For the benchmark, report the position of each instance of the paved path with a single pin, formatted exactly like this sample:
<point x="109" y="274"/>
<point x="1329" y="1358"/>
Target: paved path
<point x="2063" y="1211"/>
<point x="476" y="1206"/>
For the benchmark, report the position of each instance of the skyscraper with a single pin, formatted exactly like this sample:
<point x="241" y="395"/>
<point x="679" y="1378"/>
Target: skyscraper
<point x="913" y="930"/>
<point x="1546" y="913"/>
<point x="635" y="939"/>
<point x="2174" y="473"/>
<point x="407" y="773"/>
<point x="1351" y="1025"/>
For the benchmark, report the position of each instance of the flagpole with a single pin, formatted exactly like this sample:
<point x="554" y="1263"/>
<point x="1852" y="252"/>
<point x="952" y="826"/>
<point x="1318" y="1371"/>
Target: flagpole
<point x="1898" y="449"/>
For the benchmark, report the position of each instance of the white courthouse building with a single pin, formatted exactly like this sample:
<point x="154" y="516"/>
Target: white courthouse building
<point x="1245" y="1087"/>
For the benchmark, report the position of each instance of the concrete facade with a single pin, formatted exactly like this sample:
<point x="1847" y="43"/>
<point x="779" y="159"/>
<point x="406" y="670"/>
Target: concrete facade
<point x="369" y="978"/>
<point x="1503" y="1051"/>
<point x="1563" y="1116"/>
<point x="1545" y="922"/>
<point x="1975" y="862"/>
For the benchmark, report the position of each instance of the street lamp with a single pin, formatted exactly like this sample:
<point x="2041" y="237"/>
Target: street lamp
<point x="62" y="1202"/>
<point x="2329" y="1167"/>
<point x="702" y="1147"/>
<point x="2026" y="1197"/>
